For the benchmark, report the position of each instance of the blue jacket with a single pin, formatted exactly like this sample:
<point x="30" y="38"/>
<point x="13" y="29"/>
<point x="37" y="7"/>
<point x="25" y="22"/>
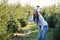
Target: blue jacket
<point x="41" y="22"/>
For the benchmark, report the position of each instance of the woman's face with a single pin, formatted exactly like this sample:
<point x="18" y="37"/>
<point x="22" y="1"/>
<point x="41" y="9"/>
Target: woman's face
<point x="35" y="12"/>
<point x="36" y="17"/>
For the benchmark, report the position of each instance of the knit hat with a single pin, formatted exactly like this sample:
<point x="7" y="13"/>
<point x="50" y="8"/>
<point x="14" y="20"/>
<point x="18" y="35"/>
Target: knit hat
<point x="36" y="9"/>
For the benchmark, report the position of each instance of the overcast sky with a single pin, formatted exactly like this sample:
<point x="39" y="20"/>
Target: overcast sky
<point x="41" y="3"/>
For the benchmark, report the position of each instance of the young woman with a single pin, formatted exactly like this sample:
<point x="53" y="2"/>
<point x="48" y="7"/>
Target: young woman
<point x="38" y="19"/>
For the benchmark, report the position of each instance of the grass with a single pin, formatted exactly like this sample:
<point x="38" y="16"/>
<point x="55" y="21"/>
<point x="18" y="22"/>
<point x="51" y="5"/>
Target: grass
<point x="34" y="34"/>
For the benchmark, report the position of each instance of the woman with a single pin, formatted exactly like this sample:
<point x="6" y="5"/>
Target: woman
<point x="38" y="19"/>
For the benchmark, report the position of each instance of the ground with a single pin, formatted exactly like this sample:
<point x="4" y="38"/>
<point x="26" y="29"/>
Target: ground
<point x="33" y="34"/>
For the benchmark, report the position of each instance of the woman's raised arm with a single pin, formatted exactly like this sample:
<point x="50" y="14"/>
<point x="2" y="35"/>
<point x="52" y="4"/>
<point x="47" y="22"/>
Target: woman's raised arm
<point x="28" y="17"/>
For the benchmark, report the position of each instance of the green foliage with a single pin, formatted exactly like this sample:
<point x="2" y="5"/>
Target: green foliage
<point x="22" y="22"/>
<point x="52" y="20"/>
<point x="8" y="19"/>
<point x="57" y="31"/>
<point x="12" y="26"/>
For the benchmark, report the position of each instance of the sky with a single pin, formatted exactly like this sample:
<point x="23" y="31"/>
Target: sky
<point x="41" y="3"/>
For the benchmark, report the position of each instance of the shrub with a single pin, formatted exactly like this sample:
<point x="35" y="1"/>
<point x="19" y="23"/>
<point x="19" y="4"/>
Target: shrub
<point x="12" y="26"/>
<point x="57" y="31"/>
<point x="22" y="22"/>
<point x="52" y="20"/>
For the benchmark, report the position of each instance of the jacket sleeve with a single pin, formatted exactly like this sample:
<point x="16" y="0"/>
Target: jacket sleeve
<point x="30" y="19"/>
<point x="41" y="21"/>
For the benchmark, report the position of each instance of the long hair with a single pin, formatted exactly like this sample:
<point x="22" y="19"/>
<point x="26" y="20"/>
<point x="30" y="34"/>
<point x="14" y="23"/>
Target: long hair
<point x="36" y="17"/>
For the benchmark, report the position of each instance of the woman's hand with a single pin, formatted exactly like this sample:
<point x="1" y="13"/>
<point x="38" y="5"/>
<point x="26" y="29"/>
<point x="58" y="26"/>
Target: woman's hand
<point x="41" y="31"/>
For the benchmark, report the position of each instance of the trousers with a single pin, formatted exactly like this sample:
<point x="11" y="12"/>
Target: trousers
<point x="43" y="35"/>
